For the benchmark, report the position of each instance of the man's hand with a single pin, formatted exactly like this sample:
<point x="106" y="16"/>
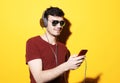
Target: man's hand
<point x="74" y="62"/>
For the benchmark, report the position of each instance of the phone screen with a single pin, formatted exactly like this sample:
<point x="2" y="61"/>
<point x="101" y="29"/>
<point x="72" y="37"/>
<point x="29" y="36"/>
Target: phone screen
<point x="82" y="52"/>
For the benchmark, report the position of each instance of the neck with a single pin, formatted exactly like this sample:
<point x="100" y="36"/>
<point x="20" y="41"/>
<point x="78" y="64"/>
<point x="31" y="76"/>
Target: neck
<point x="49" y="38"/>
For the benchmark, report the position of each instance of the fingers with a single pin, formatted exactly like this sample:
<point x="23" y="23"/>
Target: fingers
<point x="81" y="57"/>
<point x="75" y="61"/>
<point x="77" y="57"/>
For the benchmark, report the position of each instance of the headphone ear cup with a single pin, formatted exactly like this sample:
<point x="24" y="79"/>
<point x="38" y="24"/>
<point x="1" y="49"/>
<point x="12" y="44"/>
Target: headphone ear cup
<point x="45" y="22"/>
<point x="42" y="23"/>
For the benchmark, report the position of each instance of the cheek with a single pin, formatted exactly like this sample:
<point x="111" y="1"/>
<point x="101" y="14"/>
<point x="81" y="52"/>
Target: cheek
<point x="49" y="24"/>
<point x="50" y="28"/>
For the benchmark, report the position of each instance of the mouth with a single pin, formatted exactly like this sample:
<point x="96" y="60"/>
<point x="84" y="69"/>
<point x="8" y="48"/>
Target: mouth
<point x="58" y="29"/>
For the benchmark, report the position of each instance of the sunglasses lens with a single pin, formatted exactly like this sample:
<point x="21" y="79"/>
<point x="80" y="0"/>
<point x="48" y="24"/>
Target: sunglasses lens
<point x="62" y="23"/>
<point x="55" y="22"/>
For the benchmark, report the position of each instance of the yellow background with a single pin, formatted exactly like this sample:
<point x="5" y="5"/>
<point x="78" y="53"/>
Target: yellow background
<point x="95" y="26"/>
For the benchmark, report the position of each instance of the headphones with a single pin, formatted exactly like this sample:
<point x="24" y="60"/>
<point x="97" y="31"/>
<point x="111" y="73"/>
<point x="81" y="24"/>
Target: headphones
<point x="43" y="21"/>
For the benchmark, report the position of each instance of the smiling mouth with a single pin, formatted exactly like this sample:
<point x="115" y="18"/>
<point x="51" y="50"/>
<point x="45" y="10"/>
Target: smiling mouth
<point x="58" y="30"/>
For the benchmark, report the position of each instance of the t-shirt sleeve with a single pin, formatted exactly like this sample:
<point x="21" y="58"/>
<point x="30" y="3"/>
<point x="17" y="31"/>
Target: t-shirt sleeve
<point x="32" y="51"/>
<point x="67" y="55"/>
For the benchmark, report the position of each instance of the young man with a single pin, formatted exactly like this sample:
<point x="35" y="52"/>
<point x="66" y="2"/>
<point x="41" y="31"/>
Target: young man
<point x="45" y="56"/>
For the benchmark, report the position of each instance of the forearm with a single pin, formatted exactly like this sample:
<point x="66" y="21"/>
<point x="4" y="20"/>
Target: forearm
<point x="48" y="75"/>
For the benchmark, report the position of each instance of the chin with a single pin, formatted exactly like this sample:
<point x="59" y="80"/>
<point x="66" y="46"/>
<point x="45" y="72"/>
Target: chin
<point x="57" y="34"/>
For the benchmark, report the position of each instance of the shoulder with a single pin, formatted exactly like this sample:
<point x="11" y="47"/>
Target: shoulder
<point x="33" y="39"/>
<point x="62" y="45"/>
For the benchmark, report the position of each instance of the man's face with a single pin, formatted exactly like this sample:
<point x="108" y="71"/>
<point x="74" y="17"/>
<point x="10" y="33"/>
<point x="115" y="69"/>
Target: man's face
<point x="55" y="25"/>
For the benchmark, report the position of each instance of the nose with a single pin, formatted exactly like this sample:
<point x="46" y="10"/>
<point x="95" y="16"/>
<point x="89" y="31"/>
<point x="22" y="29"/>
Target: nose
<point x="59" y="26"/>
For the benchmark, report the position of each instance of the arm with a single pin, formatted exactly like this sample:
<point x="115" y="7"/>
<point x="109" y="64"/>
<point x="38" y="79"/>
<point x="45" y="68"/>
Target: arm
<point x="42" y="76"/>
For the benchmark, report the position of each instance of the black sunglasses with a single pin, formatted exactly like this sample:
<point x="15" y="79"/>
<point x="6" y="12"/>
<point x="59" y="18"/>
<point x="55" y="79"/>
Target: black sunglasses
<point x="55" y="22"/>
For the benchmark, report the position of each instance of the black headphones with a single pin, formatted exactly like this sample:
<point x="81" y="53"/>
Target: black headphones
<point x="43" y="20"/>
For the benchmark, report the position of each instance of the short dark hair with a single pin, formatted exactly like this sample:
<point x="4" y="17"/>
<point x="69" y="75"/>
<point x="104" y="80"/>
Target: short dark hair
<point x="54" y="11"/>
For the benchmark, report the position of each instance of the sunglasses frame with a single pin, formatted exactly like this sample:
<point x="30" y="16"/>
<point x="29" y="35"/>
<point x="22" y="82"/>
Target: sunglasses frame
<point x="55" y="22"/>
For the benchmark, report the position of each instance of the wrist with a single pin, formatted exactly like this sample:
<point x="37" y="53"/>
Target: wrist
<point x="64" y="66"/>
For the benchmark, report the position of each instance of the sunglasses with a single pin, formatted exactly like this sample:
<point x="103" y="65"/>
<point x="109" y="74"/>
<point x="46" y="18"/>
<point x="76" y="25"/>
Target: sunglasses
<point x="55" y="22"/>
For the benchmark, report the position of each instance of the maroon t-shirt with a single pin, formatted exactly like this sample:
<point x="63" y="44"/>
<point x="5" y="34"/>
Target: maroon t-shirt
<point x="36" y="48"/>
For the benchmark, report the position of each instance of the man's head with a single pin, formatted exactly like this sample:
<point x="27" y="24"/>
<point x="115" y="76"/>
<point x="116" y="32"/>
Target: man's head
<point x="53" y="11"/>
<point x="53" y="20"/>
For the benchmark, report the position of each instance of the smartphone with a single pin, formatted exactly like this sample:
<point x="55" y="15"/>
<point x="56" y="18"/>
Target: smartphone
<point x="82" y="52"/>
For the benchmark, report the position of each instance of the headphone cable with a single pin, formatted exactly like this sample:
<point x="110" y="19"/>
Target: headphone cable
<point x="56" y="49"/>
<point x="85" y="71"/>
